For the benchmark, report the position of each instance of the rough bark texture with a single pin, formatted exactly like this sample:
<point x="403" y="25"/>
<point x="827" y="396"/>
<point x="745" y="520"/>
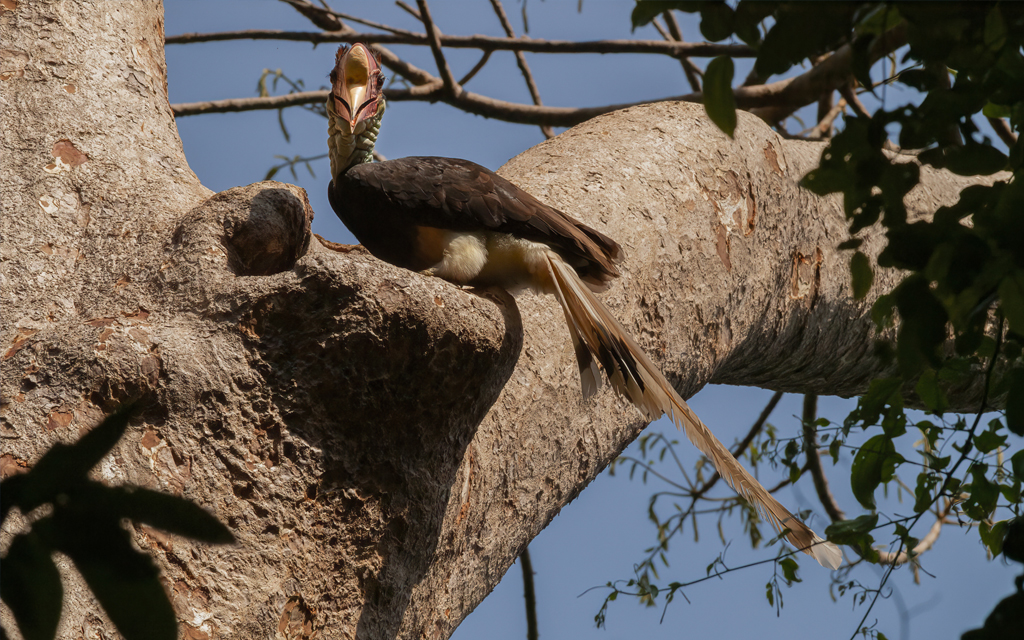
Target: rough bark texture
<point x="382" y="444"/>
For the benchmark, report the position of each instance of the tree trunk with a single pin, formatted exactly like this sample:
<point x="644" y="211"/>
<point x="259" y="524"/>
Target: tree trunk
<point x="383" y="444"/>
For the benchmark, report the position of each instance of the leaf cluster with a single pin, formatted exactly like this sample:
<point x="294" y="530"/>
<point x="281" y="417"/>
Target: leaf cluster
<point x="958" y="311"/>
<point x="84" y="523"/>
<point x="964" y="267"/>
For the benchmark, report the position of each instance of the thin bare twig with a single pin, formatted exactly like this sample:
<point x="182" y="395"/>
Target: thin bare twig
<point x="785" y="482"/>
<point x="320" y="17"/>
<point x="521" y="61"/>
<point x="926" y="543"/>
<point x="434" y="37"/>
<point x="1003" y="130"/>
<point x="529" y="595"/>
<point x="824" y="128"/>
<point x="692" y="71"/>
<point x="248" y="104"/>
<point x="408" y="71"/>
<point x="851" y="99"/>
<point x="476" y="68"/>
<point x="376" y="25"/>
<point x="484" y="43"/>
<point x="753" y="78"/>
<point x="414" y="13"/>
<point x="661" y="30"/>
<point x="810" y="414"/>
<point x="949" y="136"/>
<point x="825" y="106"/>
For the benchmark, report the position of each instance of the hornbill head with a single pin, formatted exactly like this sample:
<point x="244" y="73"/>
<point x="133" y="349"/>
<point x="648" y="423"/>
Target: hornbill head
<point x="357" y="84"/>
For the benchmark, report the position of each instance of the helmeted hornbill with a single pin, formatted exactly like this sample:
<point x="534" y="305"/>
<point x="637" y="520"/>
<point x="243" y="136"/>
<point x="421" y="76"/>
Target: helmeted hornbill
<point x="464" y="223"/>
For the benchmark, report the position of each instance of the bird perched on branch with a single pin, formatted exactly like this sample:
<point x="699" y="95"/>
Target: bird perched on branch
<point x="462" y="222"/>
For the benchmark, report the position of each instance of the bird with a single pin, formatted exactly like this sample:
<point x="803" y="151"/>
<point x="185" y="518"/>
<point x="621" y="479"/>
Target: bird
<point x="459" y="221"/>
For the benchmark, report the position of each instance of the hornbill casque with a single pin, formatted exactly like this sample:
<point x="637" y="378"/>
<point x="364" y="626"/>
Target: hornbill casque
<point x="462" y="222"/>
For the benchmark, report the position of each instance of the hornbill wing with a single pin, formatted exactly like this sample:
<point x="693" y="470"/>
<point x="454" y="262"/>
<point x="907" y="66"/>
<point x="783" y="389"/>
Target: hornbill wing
<point x="459" y="195"/>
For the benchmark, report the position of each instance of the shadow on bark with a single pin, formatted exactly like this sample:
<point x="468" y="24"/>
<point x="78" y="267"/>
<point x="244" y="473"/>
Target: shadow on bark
<point x="392" y="409"/>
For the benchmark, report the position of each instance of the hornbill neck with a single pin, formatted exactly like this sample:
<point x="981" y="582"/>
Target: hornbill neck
<point x="355" y="106"/>
<point x="346" y="148"/>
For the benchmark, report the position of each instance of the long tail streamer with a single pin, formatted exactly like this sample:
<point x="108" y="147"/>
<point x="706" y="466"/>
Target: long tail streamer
<point x="599" y="338"/>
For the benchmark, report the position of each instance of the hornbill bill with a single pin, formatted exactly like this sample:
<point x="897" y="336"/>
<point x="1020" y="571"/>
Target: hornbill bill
<point x="462" y="222"/>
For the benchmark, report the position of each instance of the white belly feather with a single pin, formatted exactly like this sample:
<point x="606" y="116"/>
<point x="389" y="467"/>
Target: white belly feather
<point x="494" y="259"/>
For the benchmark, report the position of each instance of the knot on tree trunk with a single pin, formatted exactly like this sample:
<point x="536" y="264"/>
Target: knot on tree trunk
<point x="256" y="230"/>
<point x="265" y="226"/>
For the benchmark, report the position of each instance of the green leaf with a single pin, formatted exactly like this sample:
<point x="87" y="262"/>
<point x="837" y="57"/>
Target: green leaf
<point x="881" y="311"/>
<point x="801" y="31"/>
<point x="995" y="29"/>
<point x="1013" y="543"/>
<point x="789" y="569"/>
<point x="860" y="61"/>
<point x="923" y="328"/>
<point x="992" y="536"/>
<point x="881" y="392"/>
<point x="1011" y="492"/>
<point x="861" y="275"/>
<point x="971" y="159"/>
<point x="170" y="513"/>
<point x="984" y="494"/>
<point x="874" y="464"/>
<point x="647" y="10"/>
<point x="31" y="587"/>
<point x="716" y="21"/>
<point x="1017" y="464"/>
<point x="909" y="542"/>
<point x="1011" y="300"/>
<point x="989" y="441"/>
<point x="935" y="462"/>
<point x="993" y="110"/>
<point x="923" y="493"/>
<point x="125" y="581"/>
<point x="1015" y="404"/>
<point x="877" y="19"/>
<point x="747" y="19"/>
<point x="851" y="531"/>
<point x="928" y="390"/>
<point x="719" y="101"/>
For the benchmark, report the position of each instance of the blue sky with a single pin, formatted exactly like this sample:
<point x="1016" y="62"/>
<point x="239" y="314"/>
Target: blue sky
<point x="601" y="534"/>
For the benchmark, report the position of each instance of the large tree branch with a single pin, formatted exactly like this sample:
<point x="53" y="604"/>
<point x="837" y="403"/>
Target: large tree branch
<point x="485" y="43"/>
<point x="377" y="440"/>
<point x="770" y="101"/>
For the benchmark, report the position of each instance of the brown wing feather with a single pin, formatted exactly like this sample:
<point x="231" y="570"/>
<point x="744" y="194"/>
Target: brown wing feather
<point x="458" y="195"/>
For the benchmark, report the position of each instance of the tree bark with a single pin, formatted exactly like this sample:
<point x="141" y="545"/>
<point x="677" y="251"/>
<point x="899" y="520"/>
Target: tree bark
<point x="382" y="444"/>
